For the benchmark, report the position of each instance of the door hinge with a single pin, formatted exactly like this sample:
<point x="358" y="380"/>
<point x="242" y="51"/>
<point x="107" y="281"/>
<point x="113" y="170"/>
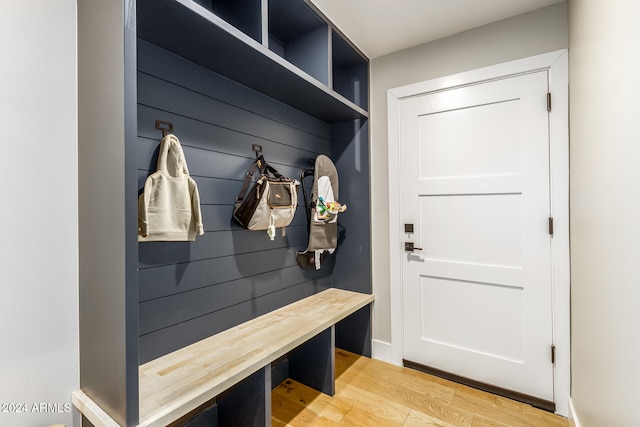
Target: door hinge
<point x="553" y="354"/>
<point x="550" y="226"/>
<point x="548" y="101"/>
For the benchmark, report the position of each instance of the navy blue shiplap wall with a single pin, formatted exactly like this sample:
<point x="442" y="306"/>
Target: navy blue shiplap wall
<point x="191" y="290"/>
<point x="352" y="263"/>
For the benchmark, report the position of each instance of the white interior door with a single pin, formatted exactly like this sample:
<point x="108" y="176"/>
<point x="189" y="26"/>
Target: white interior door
<point x="477" y="297"/>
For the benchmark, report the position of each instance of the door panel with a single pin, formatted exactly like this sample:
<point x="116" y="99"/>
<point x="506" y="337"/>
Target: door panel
<point x="475" y="184"/>
<point x="450" y="150"/>
<point x="466" y="224"/>
<point x="484" y="309"/>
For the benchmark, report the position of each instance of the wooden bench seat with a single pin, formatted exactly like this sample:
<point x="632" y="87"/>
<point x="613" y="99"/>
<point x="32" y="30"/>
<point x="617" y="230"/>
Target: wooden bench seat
<point x="175" y="384"/>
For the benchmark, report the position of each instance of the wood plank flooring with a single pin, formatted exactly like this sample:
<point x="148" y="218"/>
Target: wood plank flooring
<point x="374" y="393"/>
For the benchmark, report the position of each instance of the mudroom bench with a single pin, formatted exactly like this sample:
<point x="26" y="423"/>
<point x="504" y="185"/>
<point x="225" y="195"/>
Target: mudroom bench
<point x="227" y="377"/>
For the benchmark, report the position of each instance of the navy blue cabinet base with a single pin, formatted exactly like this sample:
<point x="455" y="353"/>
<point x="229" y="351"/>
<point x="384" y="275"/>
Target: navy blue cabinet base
<point x="228" y="76"/>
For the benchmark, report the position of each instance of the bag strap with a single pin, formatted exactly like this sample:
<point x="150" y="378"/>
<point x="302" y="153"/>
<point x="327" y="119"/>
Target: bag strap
<point x="307" y="203"/>
<point x="259" y="163"/>
<point x="268" y="168"/>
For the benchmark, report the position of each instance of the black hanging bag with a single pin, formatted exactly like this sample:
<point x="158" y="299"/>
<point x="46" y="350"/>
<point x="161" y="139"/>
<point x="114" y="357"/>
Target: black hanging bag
<point x="271" y="203"/>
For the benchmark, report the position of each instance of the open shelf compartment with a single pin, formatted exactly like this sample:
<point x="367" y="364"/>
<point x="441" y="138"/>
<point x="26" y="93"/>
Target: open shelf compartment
<point x="299" y="35"/>
<point x="245" y="15"/>
<point x="350" y="72"/>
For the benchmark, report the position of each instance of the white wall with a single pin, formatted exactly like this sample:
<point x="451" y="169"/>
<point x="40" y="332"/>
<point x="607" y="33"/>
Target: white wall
<point x="540" y="31"/>
<point x="38" y="214"/>
<point x="605" y="211"/>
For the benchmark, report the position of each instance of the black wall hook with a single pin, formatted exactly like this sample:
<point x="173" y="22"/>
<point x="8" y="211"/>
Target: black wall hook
<point x="165" y="127"/>
<point x="257" y="148"/>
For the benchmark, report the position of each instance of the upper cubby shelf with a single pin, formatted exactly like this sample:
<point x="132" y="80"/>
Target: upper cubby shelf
<point x="245" y="15"/>
<point x="300" y="36"/>
<point x="350" y="72"/>
<point x="227" y="37"/>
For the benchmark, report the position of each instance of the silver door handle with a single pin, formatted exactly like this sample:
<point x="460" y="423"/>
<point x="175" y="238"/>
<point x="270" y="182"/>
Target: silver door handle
<point x="408" y="247"/>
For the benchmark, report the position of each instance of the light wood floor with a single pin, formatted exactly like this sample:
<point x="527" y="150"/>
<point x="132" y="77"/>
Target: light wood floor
<point x="377" y="394"/>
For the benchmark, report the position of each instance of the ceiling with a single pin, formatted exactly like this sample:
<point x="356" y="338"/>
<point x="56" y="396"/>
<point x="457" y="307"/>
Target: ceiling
<point x="379" y="27"/>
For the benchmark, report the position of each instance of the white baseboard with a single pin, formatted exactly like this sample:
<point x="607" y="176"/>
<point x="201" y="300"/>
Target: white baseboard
<point x="381" y="351"/>
<point x="573" y="417"/>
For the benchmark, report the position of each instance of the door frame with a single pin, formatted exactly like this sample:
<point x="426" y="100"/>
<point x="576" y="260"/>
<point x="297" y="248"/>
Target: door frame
<point x="557" y="65"/>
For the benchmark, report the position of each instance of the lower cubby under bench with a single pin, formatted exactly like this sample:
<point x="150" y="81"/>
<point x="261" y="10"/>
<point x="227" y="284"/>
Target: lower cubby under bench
<point x="228" y="376"/>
